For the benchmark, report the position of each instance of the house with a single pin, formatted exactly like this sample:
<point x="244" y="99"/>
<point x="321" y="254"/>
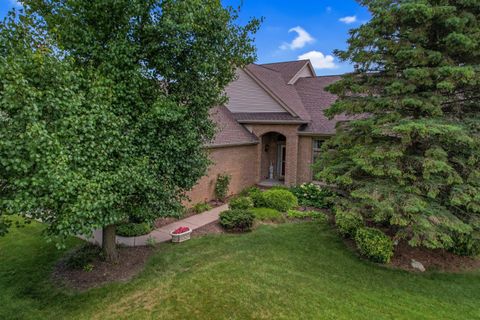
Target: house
<point x="271" y="129"/>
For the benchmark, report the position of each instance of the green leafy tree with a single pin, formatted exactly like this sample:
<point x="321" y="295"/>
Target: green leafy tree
<point x="411" y="159"/>
<point x="104" y="107"/>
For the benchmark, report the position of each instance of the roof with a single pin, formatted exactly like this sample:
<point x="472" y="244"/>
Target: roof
<point x="249" y="117"/>
<point x="229" y="131"/>
<point x="275" y="82"/>
<point x="287" y="69"/>
<point x="316" y="100"/>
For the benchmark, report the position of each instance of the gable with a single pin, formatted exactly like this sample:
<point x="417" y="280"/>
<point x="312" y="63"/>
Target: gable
<point x="305" y="72"/>
<point x="245" y="95"/>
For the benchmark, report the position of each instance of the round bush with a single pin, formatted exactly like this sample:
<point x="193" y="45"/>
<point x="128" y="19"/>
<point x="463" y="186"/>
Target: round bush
<point x="280" y="199"/>
<point x="131" y="229"/>
<point x="241" y="203"/>
<point x="312" y="195"/>
<point x="257" y="197"/>
<point x="237" y="220"/>
<point x="374" y="244"/>
<point x="348" y="222"/>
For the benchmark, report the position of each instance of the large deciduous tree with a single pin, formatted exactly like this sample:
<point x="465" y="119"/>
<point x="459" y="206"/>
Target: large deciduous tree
<point x="104" y="107"/>
<point x="411" y="160"/>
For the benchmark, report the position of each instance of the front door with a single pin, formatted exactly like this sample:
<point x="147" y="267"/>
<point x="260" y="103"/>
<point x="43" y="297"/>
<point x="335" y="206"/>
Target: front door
<point x="281" y="159"/>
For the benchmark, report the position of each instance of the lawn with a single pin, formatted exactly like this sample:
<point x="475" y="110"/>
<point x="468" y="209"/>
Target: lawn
<point x="289" y="271"/>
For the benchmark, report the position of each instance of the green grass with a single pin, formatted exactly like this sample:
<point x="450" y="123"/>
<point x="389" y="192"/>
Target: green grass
<point x="288" y="271"/>
<point x="267" y="214"/>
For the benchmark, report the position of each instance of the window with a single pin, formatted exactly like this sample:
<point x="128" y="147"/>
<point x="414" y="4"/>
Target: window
<point x="317" y="145"/>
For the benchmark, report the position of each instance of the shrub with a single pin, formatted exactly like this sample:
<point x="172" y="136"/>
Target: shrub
<point x="201" y="207"/>
<point x="83" y="256"/>
<point x="131" y="229"/>
<point x="374" y="244"/>
<point x="221" y="186"/>
<point x="246" y="192"/>
<point x="281" y="200"/>
<point x="241" y="203"/>
<point x="257" y="197"/>
<point x="267" y="214"/>
<point x="466" y="245"/>
<point x="311" y="195"/>
<point x="237" y="220"/>
<point x="348" y="222"/>
<point x="296" y="214"/>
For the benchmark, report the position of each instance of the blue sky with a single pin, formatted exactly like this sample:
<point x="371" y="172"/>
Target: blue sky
<point x="294" y="29"/>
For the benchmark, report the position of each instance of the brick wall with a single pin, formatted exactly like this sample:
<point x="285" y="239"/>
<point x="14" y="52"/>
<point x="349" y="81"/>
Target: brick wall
<point x="305" y="157"/>
<point x="241" y="162"/>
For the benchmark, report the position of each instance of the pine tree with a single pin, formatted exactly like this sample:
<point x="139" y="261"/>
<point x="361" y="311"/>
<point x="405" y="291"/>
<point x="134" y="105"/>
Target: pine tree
<point x="410" y="160"/>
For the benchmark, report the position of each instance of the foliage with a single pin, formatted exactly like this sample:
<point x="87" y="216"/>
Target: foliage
<point x="104" y="107"/>
<point x="348" y="222"/>
<point x="267" y="214"/>
<point x="82" y="256"/>
<point x="88" y="267"/>
<point x="241" y="203"/>
<point x="221" y="186"/>
<point x="257" y="197"/>
<point x="247" y="191"/>
<point x="312" y="195"/>
<point x="279" y="199"/>
<point x="316" y="215"/>
<point x="411" y="158"/>
<point x="374" y="244"/>
<point x="201" y="207"/>
<point x="237" y="220"/>
<point x="466" y="245"/>
<point x="318" y="265"/>
<point x="133" y="229"/>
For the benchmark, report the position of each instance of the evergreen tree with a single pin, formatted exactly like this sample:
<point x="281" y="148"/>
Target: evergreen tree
<point x="104" y="107"/>
<point x="411" y="159"/>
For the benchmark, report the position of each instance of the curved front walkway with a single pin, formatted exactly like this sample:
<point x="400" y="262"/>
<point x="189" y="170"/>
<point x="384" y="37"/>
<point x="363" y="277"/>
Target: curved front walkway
<point x="163" y="234"/>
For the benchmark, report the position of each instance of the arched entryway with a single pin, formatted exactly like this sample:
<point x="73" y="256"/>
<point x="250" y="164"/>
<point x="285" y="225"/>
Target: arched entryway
<point x="273" y="158"/>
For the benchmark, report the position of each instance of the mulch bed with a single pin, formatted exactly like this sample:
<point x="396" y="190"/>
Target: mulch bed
<point x="432" y="260"/>
<point x="211" y="228"/>
<point x="131" y="263"/>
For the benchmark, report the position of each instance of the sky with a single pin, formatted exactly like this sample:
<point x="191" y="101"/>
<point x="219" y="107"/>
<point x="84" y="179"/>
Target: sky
<point x="293" y="29"/>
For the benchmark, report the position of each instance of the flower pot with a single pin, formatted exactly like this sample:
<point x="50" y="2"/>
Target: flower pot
<point x="180" y="237"/>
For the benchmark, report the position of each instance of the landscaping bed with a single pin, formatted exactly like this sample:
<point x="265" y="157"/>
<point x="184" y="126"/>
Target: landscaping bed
<point x="131" y="262"/>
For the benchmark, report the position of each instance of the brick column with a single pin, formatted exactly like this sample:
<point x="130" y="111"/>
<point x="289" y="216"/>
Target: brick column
<point x="291" y="160"/>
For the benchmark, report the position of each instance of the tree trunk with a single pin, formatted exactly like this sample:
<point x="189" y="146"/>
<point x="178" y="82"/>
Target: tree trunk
<point x="109" y="245"/>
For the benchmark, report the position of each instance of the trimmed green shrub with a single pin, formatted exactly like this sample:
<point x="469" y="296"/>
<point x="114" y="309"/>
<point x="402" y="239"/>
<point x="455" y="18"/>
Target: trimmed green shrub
<point x="267" y="214"/>
<point x="312" y="195"/>
<point x="237" y="220"/>
<point x="241" y="203"/>
<point x="296" y="214"/>
<point x="374" y="244"/>
<point x="131" y="229"/>
<point x="221" y="186"/>
<point x="466" y="245"/>
<point x="246" y="192"/>
<point x="348" y="222"/>
<point x="281" y="200"/>
<point x="257" y="197"/>
<point x="201" y="207"/>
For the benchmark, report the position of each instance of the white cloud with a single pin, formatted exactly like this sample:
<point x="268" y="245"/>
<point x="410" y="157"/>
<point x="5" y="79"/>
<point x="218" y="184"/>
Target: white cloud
<point x="348" y="20"/>
<point x="16" y="3"/>
<point x="303" y="38"/>
<point x="319" y="60"/>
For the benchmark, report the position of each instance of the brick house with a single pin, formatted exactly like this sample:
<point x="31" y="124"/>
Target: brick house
<point x="271" y="129"/>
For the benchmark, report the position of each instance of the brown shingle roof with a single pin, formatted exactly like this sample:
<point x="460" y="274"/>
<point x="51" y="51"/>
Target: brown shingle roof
<point x="229" y="131"/>
<point x="243" y="117"/>
<point x="316" y="100"/>
<point x="274" y="81"/>
<point x="287" y="69"/>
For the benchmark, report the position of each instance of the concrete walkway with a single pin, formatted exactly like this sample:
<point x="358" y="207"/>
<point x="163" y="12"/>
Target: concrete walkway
<point x="163" y="234"/>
